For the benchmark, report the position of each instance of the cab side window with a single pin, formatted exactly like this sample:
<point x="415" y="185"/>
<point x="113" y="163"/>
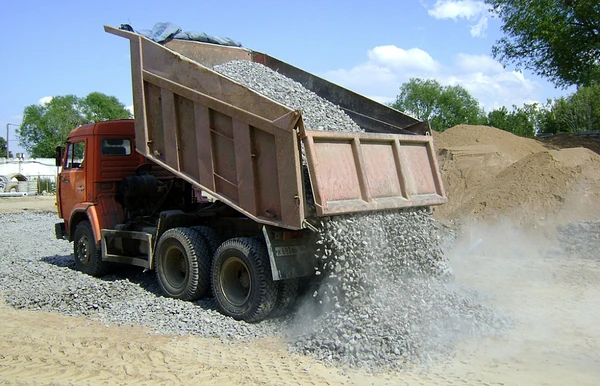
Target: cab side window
<point x="75" y="155"/>
<point x="116" y="146"/>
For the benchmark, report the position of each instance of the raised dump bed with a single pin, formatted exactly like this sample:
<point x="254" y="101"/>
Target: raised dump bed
<point x="244" y="148"/>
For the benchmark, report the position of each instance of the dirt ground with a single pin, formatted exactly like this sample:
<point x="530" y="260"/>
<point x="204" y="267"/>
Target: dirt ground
<point x="35" y="203"/>
<point x="554" y="303"/>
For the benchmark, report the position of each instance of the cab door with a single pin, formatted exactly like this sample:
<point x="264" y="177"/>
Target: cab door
<point x="72" y="179"/>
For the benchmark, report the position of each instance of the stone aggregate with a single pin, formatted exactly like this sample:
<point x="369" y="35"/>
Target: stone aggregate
<point x="318" y="114"/>
<point x="580" y="238"/>
<point x="37" y="272"/>
<point x="383" y="300"/>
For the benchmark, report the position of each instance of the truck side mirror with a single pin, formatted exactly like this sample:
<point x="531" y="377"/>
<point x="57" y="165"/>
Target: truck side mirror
<point x="58" y="155"/>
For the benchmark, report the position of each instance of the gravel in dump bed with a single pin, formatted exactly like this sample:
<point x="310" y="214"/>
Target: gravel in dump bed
<point x="318" y="113"/>
<point x="387" y="300"/>
<point x="37" y="272"/>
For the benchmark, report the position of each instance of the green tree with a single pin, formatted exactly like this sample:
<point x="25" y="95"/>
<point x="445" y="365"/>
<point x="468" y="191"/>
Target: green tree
<point x="2" y="147"/>
<point x="577" y="112"/>
<point x="557" y="39"/>
<point x="98" y="107"/>
<point x="443" y="106"/>
<point x="46" y="126"/>
<point x="521" y="121"/>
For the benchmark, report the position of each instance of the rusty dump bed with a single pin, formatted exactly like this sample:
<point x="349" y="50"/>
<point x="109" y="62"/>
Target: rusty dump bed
<point x="243" y="148"/>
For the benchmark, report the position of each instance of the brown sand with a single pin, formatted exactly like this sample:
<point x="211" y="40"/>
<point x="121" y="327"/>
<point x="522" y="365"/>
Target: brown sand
<point x="490" y="174"/>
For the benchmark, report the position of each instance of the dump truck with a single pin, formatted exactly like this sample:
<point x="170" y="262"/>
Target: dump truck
<point x="207" y="185"/>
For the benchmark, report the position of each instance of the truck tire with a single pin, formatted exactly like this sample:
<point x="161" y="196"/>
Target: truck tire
<point x="241" y="280"/>
<point x="182" y="264"/>
<point x="287" y="292"/>
<point x="86" y="253"/>
<point x="211" y="237"/>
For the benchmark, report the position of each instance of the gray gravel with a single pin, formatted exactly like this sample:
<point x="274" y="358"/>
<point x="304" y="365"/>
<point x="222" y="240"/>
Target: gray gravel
<point x="38" y="272"/>
<point x="387" y="300"/>
<point x="383" y="302"/>
<point x="318" y="113"/>
<point x="581" y="238"/>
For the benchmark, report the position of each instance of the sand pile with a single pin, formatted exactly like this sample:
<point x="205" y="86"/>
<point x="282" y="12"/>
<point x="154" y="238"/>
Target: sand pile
<point x="509" y="146"/>
<point x="491" y="174"/>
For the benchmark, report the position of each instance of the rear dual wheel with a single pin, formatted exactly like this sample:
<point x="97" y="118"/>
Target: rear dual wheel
<point x="241" y="276"/>
<point x="183" y="264"/>
<point x="241" y="279"/>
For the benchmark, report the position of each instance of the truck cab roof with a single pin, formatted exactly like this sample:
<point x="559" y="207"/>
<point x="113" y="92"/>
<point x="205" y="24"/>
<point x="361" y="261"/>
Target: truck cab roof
<point x="114" y="127"/>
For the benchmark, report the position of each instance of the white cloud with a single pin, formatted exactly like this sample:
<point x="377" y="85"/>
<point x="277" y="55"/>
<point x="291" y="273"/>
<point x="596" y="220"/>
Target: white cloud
<point x="387" y="67"/>
<point x="467" y="9"/>
<point x="463" y="9"/>
<point x="45" y="100"/>
<point x="478" y="30"/>
<point x="474" y="63"/>
<point x="130" y="108"/>
<point x="413" y="58"/>
<point x="497" y="89"/>
<point x="385" y="70"/>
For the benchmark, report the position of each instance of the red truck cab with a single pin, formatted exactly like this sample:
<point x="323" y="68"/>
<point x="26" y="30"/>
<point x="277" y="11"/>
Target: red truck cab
<point x="87" y="190"/>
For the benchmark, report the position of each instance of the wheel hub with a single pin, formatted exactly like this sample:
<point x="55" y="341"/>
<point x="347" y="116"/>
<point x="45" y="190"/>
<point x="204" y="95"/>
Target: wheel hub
<point x="83" y="254"/>
<point x="236" y="281"/>
<point x="175" y="267"/>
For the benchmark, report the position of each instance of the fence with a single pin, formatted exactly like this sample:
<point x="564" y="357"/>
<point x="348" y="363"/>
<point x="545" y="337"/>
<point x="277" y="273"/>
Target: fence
<point x="31" y="176"/>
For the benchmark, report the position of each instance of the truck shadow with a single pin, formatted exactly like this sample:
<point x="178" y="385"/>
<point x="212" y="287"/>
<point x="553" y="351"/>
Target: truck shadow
<point x="135" y="275"/>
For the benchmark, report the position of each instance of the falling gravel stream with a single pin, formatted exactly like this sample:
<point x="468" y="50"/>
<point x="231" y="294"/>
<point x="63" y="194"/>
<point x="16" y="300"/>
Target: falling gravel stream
<point x="383" y="301"/>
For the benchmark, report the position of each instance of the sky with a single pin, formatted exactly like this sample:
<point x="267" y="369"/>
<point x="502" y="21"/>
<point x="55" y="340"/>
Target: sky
<point x="59" y="47"/>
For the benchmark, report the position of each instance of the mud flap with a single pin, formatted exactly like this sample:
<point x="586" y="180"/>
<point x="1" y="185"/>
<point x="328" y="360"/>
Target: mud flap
<point x="291" y="253"/>
<point x="60" y="231"/>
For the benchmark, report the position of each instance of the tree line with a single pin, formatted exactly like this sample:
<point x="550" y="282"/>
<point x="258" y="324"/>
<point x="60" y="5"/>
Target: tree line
<point x="558" y="40"/>
<point x="447" y="106"/>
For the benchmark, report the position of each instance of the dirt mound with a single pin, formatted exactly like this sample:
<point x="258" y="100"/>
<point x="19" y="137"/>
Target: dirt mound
<point x="508" y="145"/>
<point x="547" y="186"/>
<point x="494" y="175"/>
<point x="568" y="140"/>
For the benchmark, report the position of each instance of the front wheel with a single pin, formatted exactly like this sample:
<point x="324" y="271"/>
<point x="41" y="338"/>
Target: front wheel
<point x="86" y="253"/>
<point x="241" y="280"/>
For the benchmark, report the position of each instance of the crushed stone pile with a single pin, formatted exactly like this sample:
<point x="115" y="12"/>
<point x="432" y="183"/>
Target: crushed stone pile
<point x="581" y="238"/>
<point x="385" y="302"/>
<point x="382" y="302"/>
<point x="319" y="114"/>
<point x="41" y="276"/>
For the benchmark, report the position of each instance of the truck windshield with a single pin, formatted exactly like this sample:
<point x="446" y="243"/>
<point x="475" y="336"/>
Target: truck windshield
<point x="116" y="146"/>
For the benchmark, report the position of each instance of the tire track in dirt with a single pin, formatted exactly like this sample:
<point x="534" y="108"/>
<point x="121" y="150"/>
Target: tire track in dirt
<point x="38" y="348"/>
<point x="45" y="348"/>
